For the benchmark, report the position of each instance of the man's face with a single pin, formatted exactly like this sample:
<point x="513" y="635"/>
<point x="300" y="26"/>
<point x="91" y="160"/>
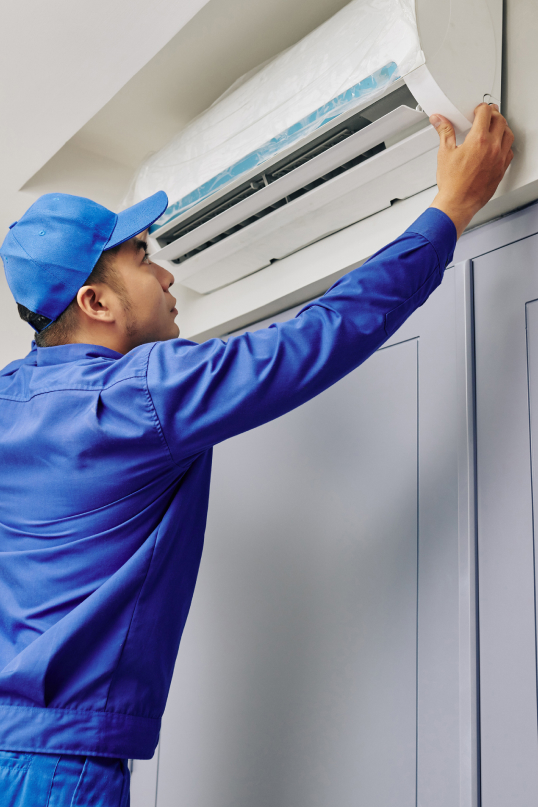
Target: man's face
<point x="150" y="312"/>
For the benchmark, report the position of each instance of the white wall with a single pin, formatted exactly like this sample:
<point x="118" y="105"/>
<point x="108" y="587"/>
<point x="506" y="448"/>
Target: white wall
<point x="60" y="62"/>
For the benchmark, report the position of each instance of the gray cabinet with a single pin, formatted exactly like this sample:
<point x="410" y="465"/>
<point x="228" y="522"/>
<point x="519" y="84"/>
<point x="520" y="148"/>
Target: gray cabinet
<point x="329" y="657"/>
<point x="355" y="548"/>
<point x="506" y="321"/>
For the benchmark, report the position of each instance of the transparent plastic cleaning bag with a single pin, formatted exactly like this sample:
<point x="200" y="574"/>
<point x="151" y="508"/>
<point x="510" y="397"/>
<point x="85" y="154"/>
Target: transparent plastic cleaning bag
<point x="354" y="55"/>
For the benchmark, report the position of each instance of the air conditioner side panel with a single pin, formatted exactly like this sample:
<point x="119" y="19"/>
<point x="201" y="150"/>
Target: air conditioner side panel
<point x="462" y="44"/>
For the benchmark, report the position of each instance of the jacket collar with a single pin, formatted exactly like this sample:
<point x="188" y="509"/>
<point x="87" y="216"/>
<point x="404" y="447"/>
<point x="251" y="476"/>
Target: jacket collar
<point x="62" y="354"/>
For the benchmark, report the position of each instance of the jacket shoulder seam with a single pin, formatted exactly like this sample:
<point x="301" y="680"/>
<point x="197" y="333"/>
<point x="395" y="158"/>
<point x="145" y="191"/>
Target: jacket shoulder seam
<point x="70" y="388"/>
<point x="155" y="416"/>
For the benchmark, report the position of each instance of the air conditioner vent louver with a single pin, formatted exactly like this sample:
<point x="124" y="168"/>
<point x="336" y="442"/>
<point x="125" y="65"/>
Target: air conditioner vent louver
<point x="266" y="175"/>
<point x="298" y="197"/>
<point x="330" y="140"/>
<point x="244" y="193"/>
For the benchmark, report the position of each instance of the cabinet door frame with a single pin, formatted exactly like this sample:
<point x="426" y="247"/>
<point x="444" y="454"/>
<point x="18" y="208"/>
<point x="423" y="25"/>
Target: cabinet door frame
<point x="505" y="289"/>
<point x="447" y="702"/>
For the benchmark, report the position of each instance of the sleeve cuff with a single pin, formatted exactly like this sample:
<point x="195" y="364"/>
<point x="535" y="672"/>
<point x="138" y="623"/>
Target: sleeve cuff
<point x="437" y="228"/>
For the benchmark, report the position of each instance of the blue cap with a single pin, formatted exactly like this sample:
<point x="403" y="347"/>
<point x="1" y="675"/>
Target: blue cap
<point x="50" y="252"/>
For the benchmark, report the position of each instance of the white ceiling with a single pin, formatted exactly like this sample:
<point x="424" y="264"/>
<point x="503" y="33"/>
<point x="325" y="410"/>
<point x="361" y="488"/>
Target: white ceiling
<point x="60" y="63"/>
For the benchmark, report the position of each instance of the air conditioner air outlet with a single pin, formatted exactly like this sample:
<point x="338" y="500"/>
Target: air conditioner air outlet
<point x="215" y="222"/>
<point x="281" y="202"/>
<point x="238" y="188"/>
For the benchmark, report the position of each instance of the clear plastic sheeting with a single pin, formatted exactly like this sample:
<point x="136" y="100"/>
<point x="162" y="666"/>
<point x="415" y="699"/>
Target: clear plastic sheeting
<point x="349" y="59"/>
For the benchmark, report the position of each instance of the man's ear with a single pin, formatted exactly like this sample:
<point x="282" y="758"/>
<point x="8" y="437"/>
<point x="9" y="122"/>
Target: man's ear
<point x="95" y="303"/>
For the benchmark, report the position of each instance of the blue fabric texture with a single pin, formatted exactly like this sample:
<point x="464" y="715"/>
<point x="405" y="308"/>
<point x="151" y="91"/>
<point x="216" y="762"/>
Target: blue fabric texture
<point x="47" y="780"/>
<point x="104" y="488"/>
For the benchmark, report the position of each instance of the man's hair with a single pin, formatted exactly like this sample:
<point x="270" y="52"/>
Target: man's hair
<point x="62" y="330"/>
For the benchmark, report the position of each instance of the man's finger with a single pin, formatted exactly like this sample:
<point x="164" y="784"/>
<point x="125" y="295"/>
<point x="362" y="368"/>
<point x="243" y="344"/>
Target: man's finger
<point x="445" y="130"/>
<point x="509" y="158"/>
<point x="482" y="118"/>
<point x="508" y="139"/>
<point x="498" y="125"/>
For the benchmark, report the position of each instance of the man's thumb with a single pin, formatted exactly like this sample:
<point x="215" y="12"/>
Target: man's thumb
<point x="445" y="130"/>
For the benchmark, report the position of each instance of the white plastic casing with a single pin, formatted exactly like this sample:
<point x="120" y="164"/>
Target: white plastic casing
<point x="462" y="44"/>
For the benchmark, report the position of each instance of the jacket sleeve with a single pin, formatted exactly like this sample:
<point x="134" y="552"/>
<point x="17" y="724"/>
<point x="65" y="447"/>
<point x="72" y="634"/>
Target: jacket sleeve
<point x="203" y="394"/>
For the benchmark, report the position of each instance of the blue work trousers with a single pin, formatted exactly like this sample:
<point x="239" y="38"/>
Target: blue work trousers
<point x="50" y="780"/>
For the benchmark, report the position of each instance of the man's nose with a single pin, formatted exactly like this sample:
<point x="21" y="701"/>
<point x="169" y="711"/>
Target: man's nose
<point x="165" y="277"/>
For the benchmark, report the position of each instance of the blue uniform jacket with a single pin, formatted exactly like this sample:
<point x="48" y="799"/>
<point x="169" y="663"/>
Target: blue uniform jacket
<point x="105" y="465"/>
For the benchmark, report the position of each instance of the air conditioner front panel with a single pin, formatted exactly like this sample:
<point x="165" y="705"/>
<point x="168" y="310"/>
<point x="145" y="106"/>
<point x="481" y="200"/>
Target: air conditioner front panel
<point x="366" y="46"/>
<point x="400" y="119"/>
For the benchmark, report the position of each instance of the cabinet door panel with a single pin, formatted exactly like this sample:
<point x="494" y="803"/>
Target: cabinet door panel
<point x="309" y="581"/>
<point x="506" y="282"/>
<point x="329" y="655"/>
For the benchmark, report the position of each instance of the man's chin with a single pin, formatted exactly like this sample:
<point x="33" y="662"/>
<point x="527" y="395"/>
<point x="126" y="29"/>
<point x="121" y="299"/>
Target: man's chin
<point x="174" y="333"/>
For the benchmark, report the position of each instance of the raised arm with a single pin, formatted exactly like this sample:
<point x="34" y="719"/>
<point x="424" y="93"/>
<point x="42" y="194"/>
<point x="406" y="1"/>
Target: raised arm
<point x="203" y="394"/>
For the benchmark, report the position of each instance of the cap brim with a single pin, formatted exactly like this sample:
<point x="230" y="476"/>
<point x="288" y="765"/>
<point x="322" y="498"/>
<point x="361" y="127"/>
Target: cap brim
<point x="137" y="218"/>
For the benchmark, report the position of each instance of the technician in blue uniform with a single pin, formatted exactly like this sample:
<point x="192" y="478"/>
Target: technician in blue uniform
<point x="107" y="428"/>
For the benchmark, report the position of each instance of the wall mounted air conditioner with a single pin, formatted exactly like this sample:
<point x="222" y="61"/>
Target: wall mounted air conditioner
<point x="351" y="156"/>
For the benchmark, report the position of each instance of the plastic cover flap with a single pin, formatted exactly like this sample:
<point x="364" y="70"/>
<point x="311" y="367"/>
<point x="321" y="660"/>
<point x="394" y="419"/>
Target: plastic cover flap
<point x="352" y="57"/>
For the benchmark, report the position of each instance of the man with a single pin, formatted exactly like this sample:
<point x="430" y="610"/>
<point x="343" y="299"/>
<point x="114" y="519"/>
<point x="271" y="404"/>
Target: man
<point x="107" y="430"/>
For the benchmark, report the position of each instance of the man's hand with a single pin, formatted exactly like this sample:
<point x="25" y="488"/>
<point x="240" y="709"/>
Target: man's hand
<point x="468" y="175"/>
